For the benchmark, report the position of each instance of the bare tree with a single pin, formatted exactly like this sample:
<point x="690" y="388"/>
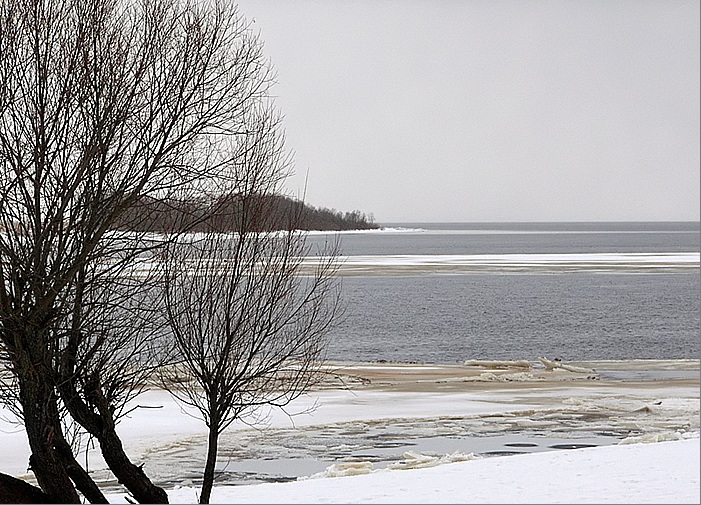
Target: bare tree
<point x="248" y="327"/>
<point x="102" y="103"/>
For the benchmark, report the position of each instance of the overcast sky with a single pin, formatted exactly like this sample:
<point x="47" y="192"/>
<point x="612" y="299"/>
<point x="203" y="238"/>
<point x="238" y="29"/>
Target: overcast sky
<point x="490" y="110"/>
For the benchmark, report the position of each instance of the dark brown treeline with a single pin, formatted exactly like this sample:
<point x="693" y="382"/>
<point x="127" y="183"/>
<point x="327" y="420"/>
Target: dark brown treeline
<point x="224" y="212"/>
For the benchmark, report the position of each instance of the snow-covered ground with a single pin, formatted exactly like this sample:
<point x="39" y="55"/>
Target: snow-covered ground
<point x="425" y="404"/>
<point x="664" y="472"/>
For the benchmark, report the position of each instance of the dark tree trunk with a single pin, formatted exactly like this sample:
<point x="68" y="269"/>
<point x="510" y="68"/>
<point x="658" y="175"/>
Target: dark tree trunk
<point x="101" y="425"/>
<point x="77" y="473"/>
<point x="13" y="490"/>
<point x="42" y="422"/>
<point x="208" y="477"/>
<point x="132" y="476"/>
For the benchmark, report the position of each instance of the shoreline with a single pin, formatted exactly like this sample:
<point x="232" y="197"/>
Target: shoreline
<point x="426" y="376"/>
<point x="373" y="412"/>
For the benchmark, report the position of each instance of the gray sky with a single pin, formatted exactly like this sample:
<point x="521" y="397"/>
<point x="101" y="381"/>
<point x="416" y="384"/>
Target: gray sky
<point x="490" y="110"/>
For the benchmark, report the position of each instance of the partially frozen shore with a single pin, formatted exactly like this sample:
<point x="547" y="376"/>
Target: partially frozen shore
<point x="666" y="472"/>
<point x="373" y="417"/>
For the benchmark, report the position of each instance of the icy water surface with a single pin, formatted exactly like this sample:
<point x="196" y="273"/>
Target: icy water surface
<point x="541" y="420"/>
<point x="282" y="457"/>
<point x="446" y="292"/>
<point x="276" y="455"/>
<point x="520" y="238"/>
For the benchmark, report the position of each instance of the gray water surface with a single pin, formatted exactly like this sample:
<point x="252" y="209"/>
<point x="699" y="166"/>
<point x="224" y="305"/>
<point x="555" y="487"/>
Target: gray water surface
<point x="443" y="319"/>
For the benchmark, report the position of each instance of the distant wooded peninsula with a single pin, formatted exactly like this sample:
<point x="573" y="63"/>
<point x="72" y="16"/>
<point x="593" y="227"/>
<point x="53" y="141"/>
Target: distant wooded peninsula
<point x="270" y="213"/>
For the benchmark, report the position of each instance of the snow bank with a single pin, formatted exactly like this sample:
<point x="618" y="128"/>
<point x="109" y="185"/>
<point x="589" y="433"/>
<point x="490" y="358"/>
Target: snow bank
<point x="665" y="472"/>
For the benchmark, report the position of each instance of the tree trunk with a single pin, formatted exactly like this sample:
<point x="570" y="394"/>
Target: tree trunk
<point x="132" y="476"/>
<point x="208" y="477"/>
<point x="41" y="422"/>
<point x="101" y="425"/>
<point x="14" y="490"/>
<point x="82" y="480"/>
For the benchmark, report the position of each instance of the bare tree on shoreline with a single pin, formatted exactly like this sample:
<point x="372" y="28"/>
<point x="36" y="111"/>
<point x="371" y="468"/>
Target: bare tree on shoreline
<point x="249" y="330"/>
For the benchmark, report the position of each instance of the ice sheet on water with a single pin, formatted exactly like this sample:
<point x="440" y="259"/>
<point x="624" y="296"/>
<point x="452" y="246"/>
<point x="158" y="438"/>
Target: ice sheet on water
<point x="665" y="436"/>
<point x="422" y="460"/>
<point x="343" y="470"/>
<point x="665" y="407"/>
<point x="508" y="377"/>
<point x="364" y="446"/>
<point x="381" y="230"/>
<point x="518" y="263"/>
<point x="410" y="460"/>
